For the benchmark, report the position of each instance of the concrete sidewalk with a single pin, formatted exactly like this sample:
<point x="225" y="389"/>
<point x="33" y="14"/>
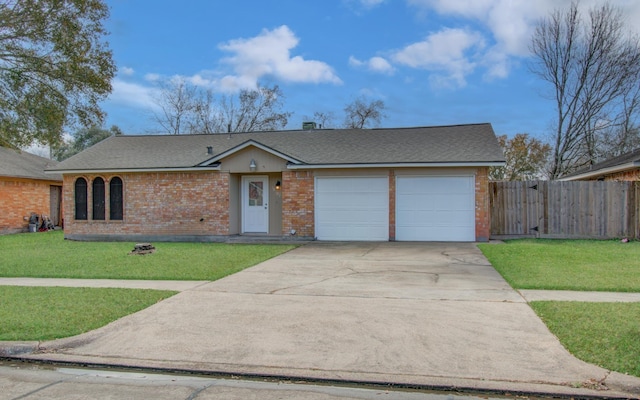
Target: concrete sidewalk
<point x="104" y="283"/>
<point x="180" y="286"/>
<point x="423" y="314"/>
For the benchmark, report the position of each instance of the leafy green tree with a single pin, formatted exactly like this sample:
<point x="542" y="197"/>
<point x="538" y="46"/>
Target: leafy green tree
<point x="83" y="139"/>
<point x="526" y="159"/>
<point x="55" y="68"/>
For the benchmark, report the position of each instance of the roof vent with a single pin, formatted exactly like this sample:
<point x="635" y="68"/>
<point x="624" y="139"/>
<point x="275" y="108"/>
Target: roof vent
<point x="209" y="150"/>
<point x="308" y="126"/>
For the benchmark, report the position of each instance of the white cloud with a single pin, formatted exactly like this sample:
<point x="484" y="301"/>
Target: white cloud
<point x="127" y="71"/>
<point x="152" y="77"/>
<point x="269" y="54"/>
<point x="509" y="24"/>
<point x="133" y="94"/>
<point x="374" y="64"/>
<point x="448" y="53"/>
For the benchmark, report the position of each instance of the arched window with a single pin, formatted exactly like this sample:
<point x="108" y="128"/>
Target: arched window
<point x="98" y="199"/>
<point x="115" y="199"/>
<point x="81" y="198"/>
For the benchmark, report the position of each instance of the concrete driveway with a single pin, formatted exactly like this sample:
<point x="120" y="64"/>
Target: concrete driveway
<point x="430" y="314"/>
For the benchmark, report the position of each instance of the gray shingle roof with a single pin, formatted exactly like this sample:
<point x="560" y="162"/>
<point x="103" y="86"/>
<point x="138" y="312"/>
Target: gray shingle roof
<point x="474" y="143"/>
<point x="627" y="159"/>
<point x="21" y="164"/>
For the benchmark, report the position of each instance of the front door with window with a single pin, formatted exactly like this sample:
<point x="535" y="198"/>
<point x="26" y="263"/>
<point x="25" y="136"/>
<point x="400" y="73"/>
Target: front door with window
<point x="255" y="204"/>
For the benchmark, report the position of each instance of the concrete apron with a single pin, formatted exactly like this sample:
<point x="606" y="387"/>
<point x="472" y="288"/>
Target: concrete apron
<point x="433" y="314"/>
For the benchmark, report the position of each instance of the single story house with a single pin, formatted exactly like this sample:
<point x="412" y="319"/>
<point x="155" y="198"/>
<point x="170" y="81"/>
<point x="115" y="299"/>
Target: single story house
<point x="625" y="167"/>
<point x="410" y="184"/>
<point x="26" y="189"/>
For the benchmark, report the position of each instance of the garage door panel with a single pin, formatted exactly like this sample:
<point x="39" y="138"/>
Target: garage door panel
<point x="435" y="208"/>
<point x="352" y="208"/>
<point x="348" y="217"/>
<point x="351" y="200"/>
<point x="437" y="202"/>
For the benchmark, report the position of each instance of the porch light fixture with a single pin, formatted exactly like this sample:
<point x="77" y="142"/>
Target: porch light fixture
<point x="252" y="165"/>
<point x="277" y="185"/>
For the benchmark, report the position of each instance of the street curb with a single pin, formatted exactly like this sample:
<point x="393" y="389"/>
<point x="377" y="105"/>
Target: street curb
<point x="9" y="349"/>
<point x="449" y="386"/>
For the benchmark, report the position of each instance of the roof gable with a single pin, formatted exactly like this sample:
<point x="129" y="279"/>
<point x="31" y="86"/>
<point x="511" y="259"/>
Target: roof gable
<point x="249" y="143"/>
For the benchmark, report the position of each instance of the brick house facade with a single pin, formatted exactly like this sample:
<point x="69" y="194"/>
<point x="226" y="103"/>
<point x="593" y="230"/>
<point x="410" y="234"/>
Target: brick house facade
<point x="256" y="182"/>
<point x="25" y="189"/>
<point x="625" y="167"/>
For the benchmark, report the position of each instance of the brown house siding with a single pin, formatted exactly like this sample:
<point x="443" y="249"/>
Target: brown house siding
<point x="632" y="175"/>
<point x="19" y="198"/>
<point x="172" y="204"/>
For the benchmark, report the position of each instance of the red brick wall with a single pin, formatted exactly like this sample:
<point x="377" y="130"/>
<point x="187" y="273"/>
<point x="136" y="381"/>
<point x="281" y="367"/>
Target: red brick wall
<point x="483" y="218"/>
<point x="162" y="203"/>
<point x="297" y="203"/>
<point x="19" y="198"/>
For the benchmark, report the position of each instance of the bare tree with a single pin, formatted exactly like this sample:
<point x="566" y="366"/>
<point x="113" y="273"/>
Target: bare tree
<point x="592" y="66"/>
<point x="207" y="116"/>
<point x="363" y="113"/>
<point x="255" y="110"/>
<point x="325" y="119"/>
<point x="188" y="109"/>
<point x="177" y="102"/>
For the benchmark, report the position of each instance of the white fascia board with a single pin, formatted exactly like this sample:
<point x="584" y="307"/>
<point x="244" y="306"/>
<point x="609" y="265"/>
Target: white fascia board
<point x="123" y="170"/>
<point x="244" y="146"/>
<point x="394" y="165"/>
<point x="603" y="171"/>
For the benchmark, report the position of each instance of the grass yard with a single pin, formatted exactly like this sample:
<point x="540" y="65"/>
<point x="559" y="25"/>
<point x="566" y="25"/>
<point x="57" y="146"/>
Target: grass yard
<point x="48" y="255"/>
<point x="605" y="334"/>
<point x="586" y="265"/>
<point x="44" y="313"/>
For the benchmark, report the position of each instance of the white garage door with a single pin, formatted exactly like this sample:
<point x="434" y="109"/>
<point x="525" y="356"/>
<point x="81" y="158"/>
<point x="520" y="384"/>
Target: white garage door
<point x="435" y="208"/>
<point x="352" y="208"/>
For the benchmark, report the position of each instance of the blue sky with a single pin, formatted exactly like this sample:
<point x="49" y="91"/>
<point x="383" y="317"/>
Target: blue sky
<point x="432" y="62"/>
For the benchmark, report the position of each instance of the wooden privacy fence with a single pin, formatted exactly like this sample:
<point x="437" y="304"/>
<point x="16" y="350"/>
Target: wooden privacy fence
<point x="552" y="209"/>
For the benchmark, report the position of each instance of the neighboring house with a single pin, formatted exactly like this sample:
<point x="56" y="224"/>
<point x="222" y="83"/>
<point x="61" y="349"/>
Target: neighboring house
<point x="622" y="168"/>
<point x="26" y="189"/>
<point x="424" y="184"/>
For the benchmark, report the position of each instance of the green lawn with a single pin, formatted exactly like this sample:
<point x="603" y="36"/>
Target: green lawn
<point x="48" y="255"/>
<point x="44" y="313"/>
<point x="605" y="334"/>
<point x="587" y="265"/>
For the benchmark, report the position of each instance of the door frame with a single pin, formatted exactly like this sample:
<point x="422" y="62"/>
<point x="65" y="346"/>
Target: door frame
<point x="244" y="196"/>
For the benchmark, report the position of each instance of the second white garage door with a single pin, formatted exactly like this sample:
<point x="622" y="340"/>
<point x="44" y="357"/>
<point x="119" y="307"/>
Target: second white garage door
<point x="352" y="208"/>
<point x="435" y="208"/>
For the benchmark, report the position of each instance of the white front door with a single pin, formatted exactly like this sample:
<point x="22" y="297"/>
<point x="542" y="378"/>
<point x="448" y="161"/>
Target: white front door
<point x="255" y="204"/>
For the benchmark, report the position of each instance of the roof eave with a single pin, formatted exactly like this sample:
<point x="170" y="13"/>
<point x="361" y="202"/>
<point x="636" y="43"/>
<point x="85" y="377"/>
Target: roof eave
<point x="603" y="171"/>
<point x="128" y="170"/>
<point x="399" y="165"/>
